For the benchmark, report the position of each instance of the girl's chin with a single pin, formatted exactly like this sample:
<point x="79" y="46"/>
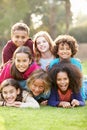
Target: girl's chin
<point x="10" y="102"/>
<point x="36" y="94"/>
<point x="63" y="90"/>
<point x="22" y="71"/>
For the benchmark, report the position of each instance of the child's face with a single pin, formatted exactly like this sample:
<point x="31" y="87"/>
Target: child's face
<point x="42" y="44"/>
<point x="22" y="61"/>
<point x="10" y="94"/>
<point x="62" y="81"/>
<point x="19" y="37"/>
<point x="37" y="87"/>
<point x="64" y="51"/>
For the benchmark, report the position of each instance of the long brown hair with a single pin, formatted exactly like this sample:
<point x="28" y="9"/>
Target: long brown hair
<point x="14" y="72"/>
<point x="15" y="84"/>
<point x="74" y="75"/>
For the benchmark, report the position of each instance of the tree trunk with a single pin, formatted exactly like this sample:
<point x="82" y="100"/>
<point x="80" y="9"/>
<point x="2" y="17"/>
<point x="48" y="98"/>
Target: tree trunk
<point x="68" y="14"/>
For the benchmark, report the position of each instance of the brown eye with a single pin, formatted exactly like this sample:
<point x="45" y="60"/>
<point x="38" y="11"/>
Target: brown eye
<point x="41" y="87"/>
<point x="17" y="36"/>
<point x="38" y="43"/>
<point x="23" y="37"/>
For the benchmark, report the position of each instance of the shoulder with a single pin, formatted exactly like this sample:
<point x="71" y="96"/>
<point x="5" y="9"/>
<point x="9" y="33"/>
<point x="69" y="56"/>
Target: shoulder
<point x="6" y="69"/>
<point x="46" y="95"/>
<point x="35" y="65"/>
<point x="53" y="62"/>
<point x="25" y="94"/>
<point x="8" y="45"/>
<point x="76" y="62"/>
<point x="29" y="42"/>
<point x="78" y="96"/>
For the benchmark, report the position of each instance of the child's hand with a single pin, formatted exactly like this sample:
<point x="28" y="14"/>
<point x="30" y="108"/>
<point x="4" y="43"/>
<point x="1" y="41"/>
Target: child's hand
<point x="44" y="103"/>
<point x="75" y="103"/>
<point x="14" y="104"/>
<point x="64" y="104"/>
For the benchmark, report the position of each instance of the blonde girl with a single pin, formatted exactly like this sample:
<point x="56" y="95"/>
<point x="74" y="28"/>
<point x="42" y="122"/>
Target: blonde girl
<point x="39" y="85"/>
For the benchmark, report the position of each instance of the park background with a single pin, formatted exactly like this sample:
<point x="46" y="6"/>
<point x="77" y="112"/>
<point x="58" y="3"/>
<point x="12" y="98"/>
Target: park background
<point x="56" y="17"/>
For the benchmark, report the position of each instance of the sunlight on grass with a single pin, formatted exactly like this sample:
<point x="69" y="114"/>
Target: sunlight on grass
<point x="2" y="123"/>
<point x="84" y="65"/>
<point x="45" y="118"/>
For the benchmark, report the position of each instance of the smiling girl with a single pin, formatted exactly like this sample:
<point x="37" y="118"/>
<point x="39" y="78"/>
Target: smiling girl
<point x="13" y="96"/>
<point x="67" y="80"/>
<point x="43" y="45"/>
<point x="39" y="85"/>
<point x="20" y="67"/>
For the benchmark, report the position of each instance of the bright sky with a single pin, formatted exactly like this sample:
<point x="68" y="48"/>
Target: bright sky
<point x="79" y="6"/>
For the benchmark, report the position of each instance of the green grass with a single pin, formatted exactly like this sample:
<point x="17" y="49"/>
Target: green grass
<point x="45" y="118"/>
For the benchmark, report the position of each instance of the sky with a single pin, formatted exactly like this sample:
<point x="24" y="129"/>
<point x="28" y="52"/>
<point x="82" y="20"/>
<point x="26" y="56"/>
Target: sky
<point x="78" y="6"/>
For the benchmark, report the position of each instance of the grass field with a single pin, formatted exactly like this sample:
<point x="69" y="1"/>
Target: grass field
<point x="84" y="65"/>
<point x="45" y="118"/>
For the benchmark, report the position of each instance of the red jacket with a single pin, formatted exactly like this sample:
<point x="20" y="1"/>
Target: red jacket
<point x="5" y="72"/>
<point x="10" y="47"/>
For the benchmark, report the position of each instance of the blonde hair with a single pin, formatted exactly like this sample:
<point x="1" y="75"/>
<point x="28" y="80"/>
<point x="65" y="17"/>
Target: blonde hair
<point x="20" y="26"/>
<point x="39" y="74"/>
<point x="49" y="40"/>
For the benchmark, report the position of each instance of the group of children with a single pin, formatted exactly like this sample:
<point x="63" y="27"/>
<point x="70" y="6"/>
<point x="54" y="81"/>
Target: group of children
<point x="40" y="71"/>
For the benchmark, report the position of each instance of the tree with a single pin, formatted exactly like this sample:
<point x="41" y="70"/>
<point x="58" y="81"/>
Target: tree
<point x="68" y="14"/>
<point x="55" y="15"/>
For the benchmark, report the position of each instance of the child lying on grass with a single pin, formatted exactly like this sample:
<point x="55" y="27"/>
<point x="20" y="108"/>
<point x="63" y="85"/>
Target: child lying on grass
<point x="13" y="96"/>
<point x="67" y="80"/>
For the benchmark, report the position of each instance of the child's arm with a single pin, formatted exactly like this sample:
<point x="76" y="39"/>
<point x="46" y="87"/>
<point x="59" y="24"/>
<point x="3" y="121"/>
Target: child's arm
<point x="7" y="51"/>
<point x="75" y="103"/>
<point x="44" y="103"/>
<point x="5" y="72"/>
<point x="53" y="99"/>
<point x="1" y="103"/>
<point x="77" y="100"/>
<point x="29" y="101"/>
<point x="64" y="104"/>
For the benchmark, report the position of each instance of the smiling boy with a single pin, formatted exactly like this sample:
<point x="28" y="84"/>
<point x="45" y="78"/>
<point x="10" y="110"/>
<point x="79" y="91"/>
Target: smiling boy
<point x="19" y="37"/>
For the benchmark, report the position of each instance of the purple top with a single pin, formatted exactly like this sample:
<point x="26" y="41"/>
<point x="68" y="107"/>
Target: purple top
<point x="54" y="98"/>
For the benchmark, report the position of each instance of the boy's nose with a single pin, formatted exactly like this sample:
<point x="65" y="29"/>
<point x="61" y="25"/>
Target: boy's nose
<point x="8" y="95"/>
<point x="20" y="39"/>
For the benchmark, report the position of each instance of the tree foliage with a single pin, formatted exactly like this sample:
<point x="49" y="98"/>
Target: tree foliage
<point x="53" y="15"/>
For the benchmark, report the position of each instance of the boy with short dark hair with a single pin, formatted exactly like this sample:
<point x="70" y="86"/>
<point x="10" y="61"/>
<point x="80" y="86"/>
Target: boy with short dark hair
<point x="19" y="37"/>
